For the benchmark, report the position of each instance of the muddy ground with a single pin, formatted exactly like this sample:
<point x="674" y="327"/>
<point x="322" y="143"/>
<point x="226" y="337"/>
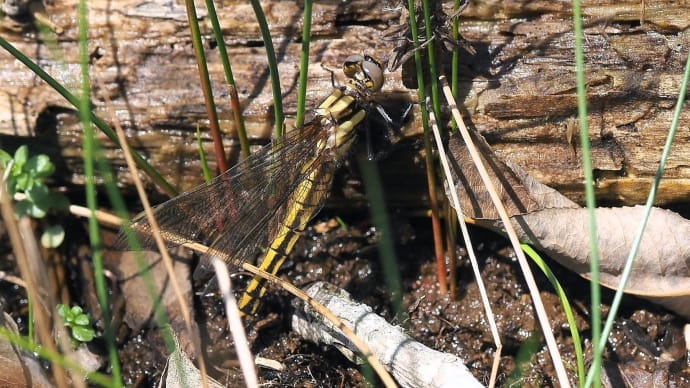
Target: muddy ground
<point x="646" y="344"/>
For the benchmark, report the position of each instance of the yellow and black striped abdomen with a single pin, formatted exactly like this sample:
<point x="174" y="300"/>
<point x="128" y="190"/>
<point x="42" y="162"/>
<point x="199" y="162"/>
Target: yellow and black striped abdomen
<point x="338" y="115"/>
<point x="304" y="204"/>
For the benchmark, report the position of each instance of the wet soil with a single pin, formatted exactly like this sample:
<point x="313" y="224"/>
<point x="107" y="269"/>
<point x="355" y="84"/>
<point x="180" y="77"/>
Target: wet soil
<point x="646" y="343"/>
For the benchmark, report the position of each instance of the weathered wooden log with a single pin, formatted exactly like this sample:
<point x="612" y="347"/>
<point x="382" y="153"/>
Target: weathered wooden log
<point x="518" y="88"/>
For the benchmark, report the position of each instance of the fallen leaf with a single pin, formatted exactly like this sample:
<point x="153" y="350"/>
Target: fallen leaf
<point x="519" y="195"/>
<point x="18" y="368"/>
<point x="621" y="375"/>
<point x="139" y="301"/>
<point x="180" y="371"/>
<point x="552" y="223"/>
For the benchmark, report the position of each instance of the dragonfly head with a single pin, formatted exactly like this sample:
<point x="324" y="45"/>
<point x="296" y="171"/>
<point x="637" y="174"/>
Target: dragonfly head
<point x="364" y="71"/>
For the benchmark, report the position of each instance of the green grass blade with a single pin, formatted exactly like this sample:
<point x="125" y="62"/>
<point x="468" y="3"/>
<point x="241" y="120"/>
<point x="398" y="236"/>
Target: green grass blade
<point x="431" y="54"/>
<point x="386" y="246"/>
<point x="90" y="174"/>
<point x="229" y="78"/>
<point x="429" y="162"/>
<point x="567" y="309"/>
<point x="202" y="157"/>
<point x="207" y="90"/>
<point x="304" y="63"/>
<point x="523" y="358"/>
<point x="30" y="318"/>
<point x="272" y="68"/>
<point x="589" y="190"/>
<point x="455" y="60"/>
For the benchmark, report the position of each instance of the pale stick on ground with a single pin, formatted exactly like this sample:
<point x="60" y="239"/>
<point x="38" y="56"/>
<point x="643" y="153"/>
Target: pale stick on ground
<point x="411" y="363"/>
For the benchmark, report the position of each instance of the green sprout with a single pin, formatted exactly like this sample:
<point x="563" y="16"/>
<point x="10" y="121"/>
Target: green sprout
<point x="78" y="322"/>
<point x="25" y="175"/>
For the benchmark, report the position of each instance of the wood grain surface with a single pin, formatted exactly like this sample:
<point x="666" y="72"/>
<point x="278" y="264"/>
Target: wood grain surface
<point x="518" y="89"/>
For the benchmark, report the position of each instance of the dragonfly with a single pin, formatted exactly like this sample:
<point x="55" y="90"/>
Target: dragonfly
<point x="267" y="199"/>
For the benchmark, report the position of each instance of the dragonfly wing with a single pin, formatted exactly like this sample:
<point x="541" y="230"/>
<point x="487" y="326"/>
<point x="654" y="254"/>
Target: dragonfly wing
<point x="233" y="213"/>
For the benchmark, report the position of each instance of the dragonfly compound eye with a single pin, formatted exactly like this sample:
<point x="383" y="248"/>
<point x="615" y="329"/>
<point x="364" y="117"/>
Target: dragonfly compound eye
<point x="353" y="65"/>
<point x="364" y="69"/>
<point x="373" y="68"/>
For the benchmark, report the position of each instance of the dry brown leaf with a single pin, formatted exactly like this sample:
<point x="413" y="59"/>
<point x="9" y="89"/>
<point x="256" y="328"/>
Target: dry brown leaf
<point x="180" y="372"/>
<point x="18" y="369"/>
<point x="559" y="227"/>
<point x="660" y="272"/>
<point x="660" y="268"/>
<point x="621" y="375"/>
<point x="474" y="198"/>
<point x="139" y="303"/>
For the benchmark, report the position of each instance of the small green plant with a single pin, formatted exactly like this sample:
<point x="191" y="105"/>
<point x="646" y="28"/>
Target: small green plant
<point x="78" y="322"/>
<point x="24" y="175"/>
